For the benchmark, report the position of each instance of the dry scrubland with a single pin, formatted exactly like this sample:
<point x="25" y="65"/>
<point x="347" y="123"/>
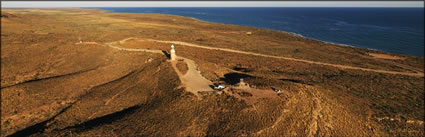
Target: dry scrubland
<point x="52" y="86"/>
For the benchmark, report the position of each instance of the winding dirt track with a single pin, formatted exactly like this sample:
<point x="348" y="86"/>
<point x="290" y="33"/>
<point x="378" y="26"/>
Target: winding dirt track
<point x="193" y="81"/>
<point x="416" y="74"/>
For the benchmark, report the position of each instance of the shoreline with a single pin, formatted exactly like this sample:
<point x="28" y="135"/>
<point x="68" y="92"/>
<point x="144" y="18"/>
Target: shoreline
<point x="290" y="33"/>
<point x="283" y="31"/>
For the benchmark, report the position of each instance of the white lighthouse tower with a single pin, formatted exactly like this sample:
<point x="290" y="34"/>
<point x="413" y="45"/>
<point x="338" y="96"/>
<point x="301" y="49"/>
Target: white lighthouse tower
<point x="172" y="53"/>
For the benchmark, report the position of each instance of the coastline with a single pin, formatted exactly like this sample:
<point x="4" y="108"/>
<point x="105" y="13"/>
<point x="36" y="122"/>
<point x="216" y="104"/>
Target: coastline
<point x="293" y="34"/>
<point x="283" y="31"/>
<point x="83" y="72"/>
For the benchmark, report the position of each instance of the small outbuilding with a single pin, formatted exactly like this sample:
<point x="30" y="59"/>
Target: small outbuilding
<point x="219" y="87"/>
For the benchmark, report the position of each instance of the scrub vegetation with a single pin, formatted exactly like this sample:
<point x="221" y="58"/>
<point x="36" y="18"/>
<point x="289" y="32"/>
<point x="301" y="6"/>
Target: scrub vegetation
<point x="54" y="85"/>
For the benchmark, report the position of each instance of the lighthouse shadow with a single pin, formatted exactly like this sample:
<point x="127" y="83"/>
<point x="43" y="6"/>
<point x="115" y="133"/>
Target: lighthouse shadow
<point x="166" y="54"/>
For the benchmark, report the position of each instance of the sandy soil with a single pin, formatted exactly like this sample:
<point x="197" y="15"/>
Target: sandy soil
<point x="416" y="74"/>
<point x="257" y="94"/>
<point x="53" y="85"/>
<point x="384" y="56"/>
<point x="193" y="81"/>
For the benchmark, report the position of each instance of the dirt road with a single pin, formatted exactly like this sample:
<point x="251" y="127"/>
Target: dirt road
<point x="416" y="74"/>
<point x="193" y="81"/>
<point x="130" y="49"/>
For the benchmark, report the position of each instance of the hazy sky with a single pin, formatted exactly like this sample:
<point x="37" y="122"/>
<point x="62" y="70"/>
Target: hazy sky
<point x="57" y="4"/>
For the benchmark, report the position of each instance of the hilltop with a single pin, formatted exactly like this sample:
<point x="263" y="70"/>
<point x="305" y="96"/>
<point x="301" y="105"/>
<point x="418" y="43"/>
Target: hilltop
<point x="86" y="72"/>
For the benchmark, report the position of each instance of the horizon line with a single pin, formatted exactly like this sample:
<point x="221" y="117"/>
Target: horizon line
<point x="202" y="4"/>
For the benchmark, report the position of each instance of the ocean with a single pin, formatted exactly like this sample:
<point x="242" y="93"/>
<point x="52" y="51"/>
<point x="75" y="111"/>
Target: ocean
<point x="396" y="30"/>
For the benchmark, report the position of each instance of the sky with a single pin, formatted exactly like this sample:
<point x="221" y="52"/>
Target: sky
<point x="66" y="4"/>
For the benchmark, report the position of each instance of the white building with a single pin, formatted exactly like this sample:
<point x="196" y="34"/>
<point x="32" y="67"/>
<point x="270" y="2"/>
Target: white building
<point x="172" y="53"/>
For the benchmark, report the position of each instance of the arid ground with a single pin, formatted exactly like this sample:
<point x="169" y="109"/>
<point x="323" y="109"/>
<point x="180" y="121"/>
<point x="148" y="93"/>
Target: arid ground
<point x="86" y="72"/>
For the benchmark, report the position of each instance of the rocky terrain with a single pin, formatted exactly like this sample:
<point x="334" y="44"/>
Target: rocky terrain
<point x="85" y="72"/>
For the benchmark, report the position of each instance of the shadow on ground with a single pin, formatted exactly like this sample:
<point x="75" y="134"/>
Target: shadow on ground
<point x="234" y="78"/>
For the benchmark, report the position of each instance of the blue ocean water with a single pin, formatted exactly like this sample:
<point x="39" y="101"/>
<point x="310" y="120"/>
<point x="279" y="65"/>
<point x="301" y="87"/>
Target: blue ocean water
<point x="397" y="30"/>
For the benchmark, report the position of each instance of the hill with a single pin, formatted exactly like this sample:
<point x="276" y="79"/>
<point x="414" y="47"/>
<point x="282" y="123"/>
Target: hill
<point x="85" y="72"/>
